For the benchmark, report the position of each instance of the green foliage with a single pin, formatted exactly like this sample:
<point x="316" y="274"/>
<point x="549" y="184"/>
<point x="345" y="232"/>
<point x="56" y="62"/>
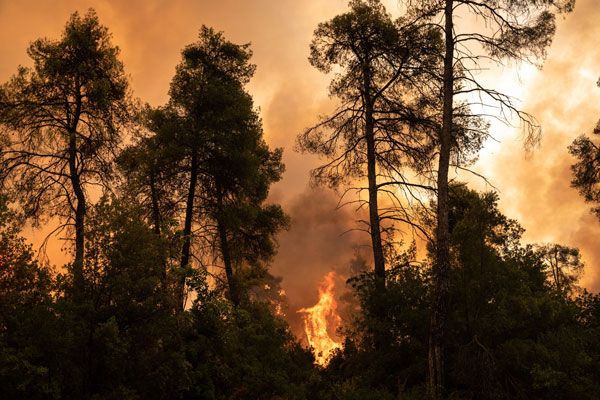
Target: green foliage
<point x="124" y="341"/>
<point x="150" y="166"/>
<point x="245" y="352"/>
<point x="222" y="134"/>
<point x="563" y="266"/>
<point x="25" y="315"/>
<point x="62" y="117"/>
<point x="510" y="333"/>
<point x="585" y="170"/>
<point x="125" y="337"/>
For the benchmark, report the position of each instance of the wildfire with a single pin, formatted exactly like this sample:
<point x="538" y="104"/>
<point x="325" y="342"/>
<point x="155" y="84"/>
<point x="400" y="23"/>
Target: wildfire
<point x="321" y="319"/>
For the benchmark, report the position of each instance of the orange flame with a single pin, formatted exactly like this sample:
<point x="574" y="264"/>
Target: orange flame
<point x="321" y="319"/>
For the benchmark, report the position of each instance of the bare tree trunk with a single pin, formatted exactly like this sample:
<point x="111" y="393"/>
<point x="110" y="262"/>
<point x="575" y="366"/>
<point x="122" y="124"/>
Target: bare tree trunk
<point x="378" y="259"/>
<point x="81" y="206"/>
<point x="441" y="272"/>
<point x="234" y="294"/>
<point x="187" y="227"/>
<point x="80" y="212"/>
<point x="155" y="205"/>
<point x="156" y="221"/>
<point x="555" y="270"/>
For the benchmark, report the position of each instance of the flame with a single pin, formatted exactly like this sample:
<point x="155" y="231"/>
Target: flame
<point x="321" y="319"/>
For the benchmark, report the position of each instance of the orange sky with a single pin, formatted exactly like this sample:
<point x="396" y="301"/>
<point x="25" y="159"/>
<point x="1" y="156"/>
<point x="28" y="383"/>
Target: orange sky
<point x="291" y="94"/>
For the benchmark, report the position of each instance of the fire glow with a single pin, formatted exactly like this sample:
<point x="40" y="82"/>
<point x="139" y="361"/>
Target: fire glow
<point x="321" y="319"/>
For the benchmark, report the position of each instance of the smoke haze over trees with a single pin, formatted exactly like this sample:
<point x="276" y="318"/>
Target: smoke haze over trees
<point x="241" y="236"/>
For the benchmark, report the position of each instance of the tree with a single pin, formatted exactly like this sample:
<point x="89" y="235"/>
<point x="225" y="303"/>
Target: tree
<point x="245" y="352"/>
<point x="150" y="168"/>
<point x="196" y="93"/>
<point x="505" y="307"/>
<point x="238" y="171"/>
<point x="382" y="125"/>
<point x="128" y="340"/>
<point x="152" y="179"/>
<point x="563" y="265"/>
<point x="514" y="29"/>
<point x="61" y="121"/>
<point x="222" y="149"/>
<point x="586" y="170"/>
<point x="120" y="338"/>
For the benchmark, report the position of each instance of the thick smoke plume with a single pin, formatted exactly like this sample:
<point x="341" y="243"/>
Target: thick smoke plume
<point x="535" y="187"/>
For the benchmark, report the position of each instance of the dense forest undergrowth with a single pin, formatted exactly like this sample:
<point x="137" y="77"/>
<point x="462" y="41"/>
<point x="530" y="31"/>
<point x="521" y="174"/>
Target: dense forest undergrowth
<point x="166" y="213"/>
<point x="513" y="332"/>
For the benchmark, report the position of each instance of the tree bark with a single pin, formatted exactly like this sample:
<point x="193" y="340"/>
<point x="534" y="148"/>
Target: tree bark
<point x="155" y="205"/>
<point x="187" y="227"/>
<point x="156" y="221"/>
<point x="378" y="258"/>
<point x="441" y="271"/>
<point x="234" y="294"/>
<point x="81" y="206"/>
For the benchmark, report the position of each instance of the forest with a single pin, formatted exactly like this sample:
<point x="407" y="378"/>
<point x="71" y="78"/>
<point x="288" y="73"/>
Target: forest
<point x="167" y="218"/>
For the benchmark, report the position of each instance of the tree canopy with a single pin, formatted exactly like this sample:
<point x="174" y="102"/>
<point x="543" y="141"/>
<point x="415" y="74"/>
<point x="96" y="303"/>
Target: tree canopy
<point x="61" y="123"/>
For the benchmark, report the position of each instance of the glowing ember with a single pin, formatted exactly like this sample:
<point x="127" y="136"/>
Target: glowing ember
<point x="321" y="319"/>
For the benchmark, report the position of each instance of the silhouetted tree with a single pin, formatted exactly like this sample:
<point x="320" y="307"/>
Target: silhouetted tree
<point x="382" y="125"/>
<point x="153" y="179"/>
<point x="245" y="352"/>
<point x="129" y="335"/>
<point x="197" y="92"/>
<point x="150" y="167"/>
<point x="61" y="122"/>
<point x="563" y="265"/>
<point x="238" y="171"/>
<point x="586" y="171"/>
<point x="513" y="29"/>
<point x="26" y="315"/>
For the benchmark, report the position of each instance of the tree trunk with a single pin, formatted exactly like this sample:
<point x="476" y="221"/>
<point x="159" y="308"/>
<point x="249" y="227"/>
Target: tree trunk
<point x="555" y="269"/>
<point x="80" y="211"/>
<point x="187" y="227"/>
<point x="155" y="205"/>
<point x="234" y="294"/>
<point x="441" y="271"/>
<point x="378" y="259"/>
<point x="156" y="221"/>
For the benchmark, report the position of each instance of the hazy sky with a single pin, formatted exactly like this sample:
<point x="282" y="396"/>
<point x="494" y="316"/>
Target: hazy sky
<point x="533" y="188"/>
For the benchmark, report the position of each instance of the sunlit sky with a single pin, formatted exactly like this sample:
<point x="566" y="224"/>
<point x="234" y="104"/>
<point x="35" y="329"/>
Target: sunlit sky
<point x="534" y="187"/>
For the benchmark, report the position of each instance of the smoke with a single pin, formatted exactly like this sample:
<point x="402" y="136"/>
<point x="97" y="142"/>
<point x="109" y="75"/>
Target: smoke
<point x="535" y="188"/>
